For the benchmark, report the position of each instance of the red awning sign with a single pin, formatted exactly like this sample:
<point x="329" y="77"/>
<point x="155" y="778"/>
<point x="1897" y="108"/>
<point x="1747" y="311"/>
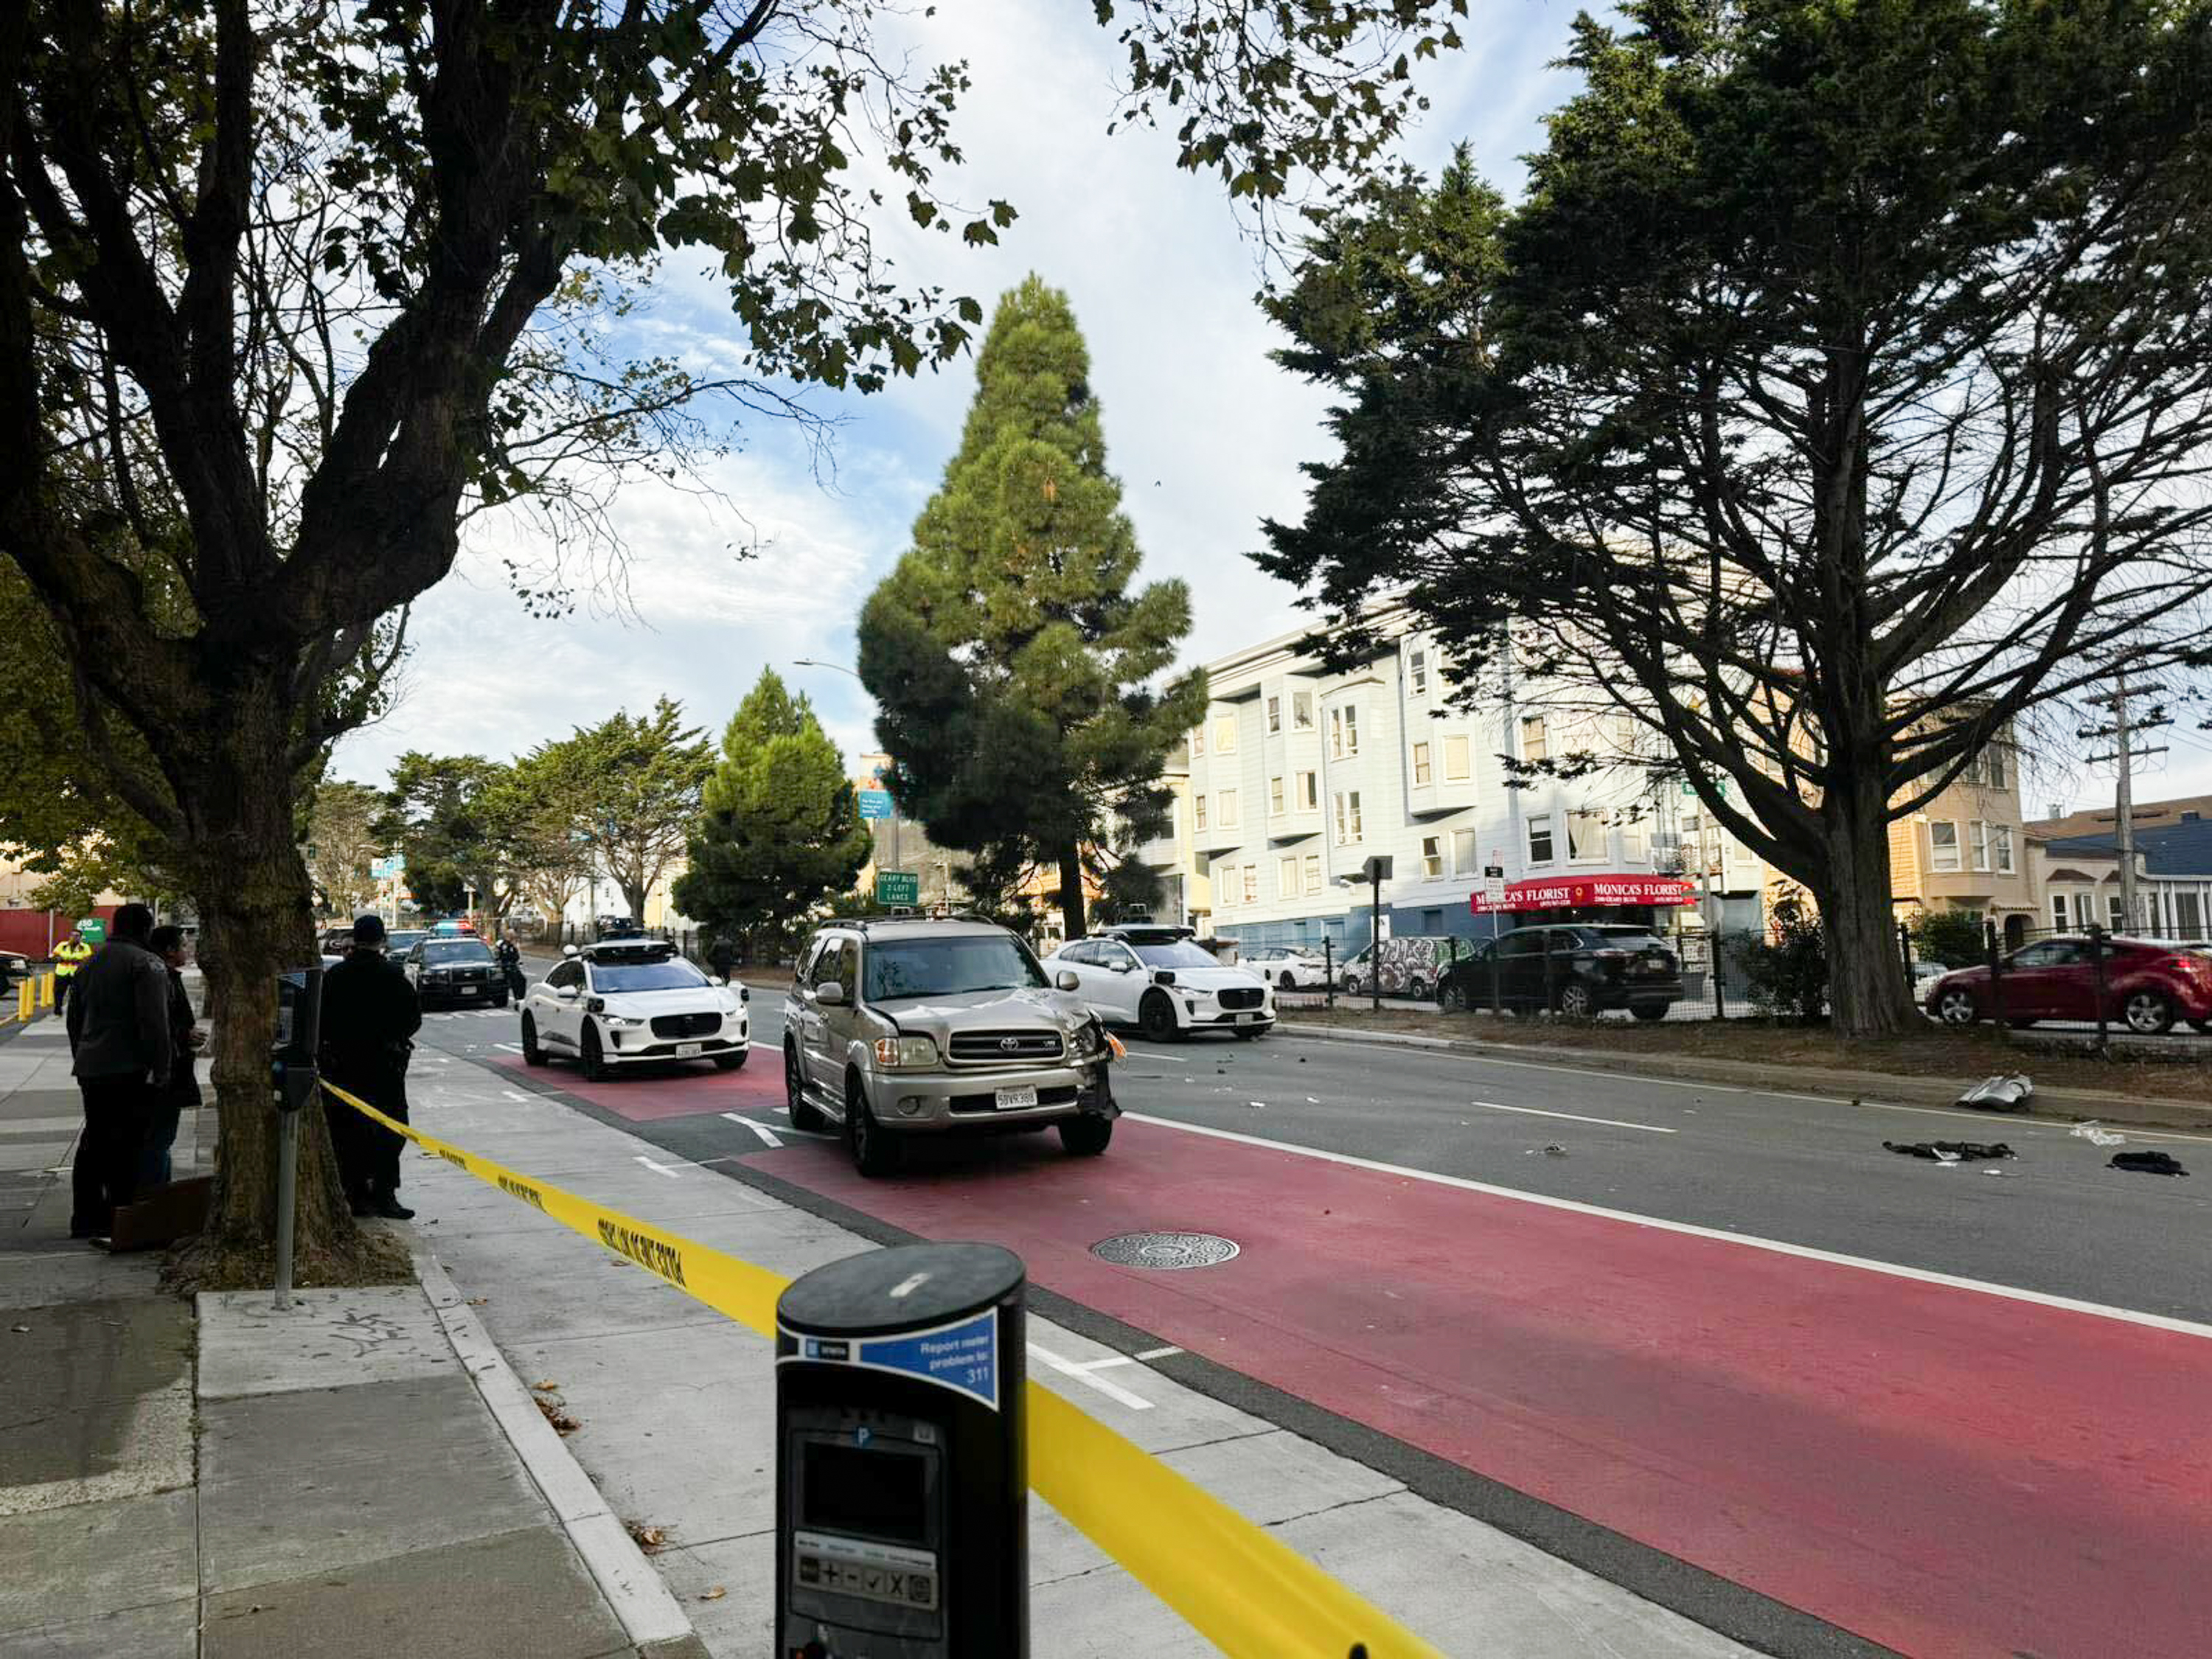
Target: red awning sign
<point x="1587" y="892"/>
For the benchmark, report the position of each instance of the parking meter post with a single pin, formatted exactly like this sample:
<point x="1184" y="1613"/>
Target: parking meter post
<point x="1496" y="993"/>
<point x="1720" y="992"/>
<point x="1997" y="979"/>
<point x="2097" y="966"/>
<point x="292" y="1073"/>
<point x="901" y="1503"/>
<point x="1328" y="971"/>
<point x="1375" y="932"/>
<point x="288" y="1183"/>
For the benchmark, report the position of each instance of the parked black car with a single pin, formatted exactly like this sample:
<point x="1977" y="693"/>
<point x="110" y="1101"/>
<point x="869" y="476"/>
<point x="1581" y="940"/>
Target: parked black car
<point x="1578" y="970"/>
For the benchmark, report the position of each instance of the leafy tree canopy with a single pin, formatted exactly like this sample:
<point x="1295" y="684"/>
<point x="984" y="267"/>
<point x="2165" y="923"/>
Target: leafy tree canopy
<point x="630" y="787"/>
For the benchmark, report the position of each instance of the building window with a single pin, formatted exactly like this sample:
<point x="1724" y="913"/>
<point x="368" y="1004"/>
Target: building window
<point x="1251" y="883"/>
<point x="1198" y="741"/>
<point x="1987" y="768"/>
<point x="2188" y="916"/>
<point x="1433" y="856"/>
<point x="2119" y="922"/>
<point x="1586" y="837"/>
<point x="1942" y="845"/>
<point x="1313" y="873"/>
<point x="1309" y="792"/>
<point x="2001" y="847"/>
<point x="1229" y="809"/>
<point x="1301" y="711"/>
<point x="1198" y="811"/>
<point x="1274" y="798"/>
<point x="1422" y="778"/>
<point x="1274" y="715"/>
<point x="2058" y="911"/>
<point x="1540" y="838"/>
<point x="1224" y="735"/>
<point x="1978" y="842"/>
<point x="1286" y="877"/>
<point x="1457" y="769"/>
<point x="1343" y="730"/>
<point x="1417" y="670"/>
<point x="1347" y="817"/>
<point x="1534" y="745"/>
<point x="1463" y="852"/>
<point x="1225" y="884"/>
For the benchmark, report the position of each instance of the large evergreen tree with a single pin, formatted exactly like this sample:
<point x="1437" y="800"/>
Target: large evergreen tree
<point x="779" y="828"/>
<point x="1014" y="666"/>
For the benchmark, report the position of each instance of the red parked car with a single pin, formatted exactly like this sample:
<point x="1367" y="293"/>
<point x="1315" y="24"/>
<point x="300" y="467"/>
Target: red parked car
<point x="2147" y="986"/>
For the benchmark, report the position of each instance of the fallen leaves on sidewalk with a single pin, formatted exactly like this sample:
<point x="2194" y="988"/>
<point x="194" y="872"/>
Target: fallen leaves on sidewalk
<point x="649" y="1539"/>
<point x="713" y="1594"/>
<point x="556" y="1414"/>
<point x="547" y="1387"/>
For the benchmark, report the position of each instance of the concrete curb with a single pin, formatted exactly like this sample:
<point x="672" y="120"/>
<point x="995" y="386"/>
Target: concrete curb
<point x="2062" y="1106"/>
<point x="650" y="1615"/>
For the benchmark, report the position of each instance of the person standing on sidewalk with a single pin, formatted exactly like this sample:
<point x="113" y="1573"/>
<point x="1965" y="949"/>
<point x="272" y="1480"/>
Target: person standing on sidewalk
<point x="184" y="1040"/>
<point x="721" y="956"/>
<point x="69" y="956"/>
<point x="370" y="1016"/>
<point x="118" y="1033"/>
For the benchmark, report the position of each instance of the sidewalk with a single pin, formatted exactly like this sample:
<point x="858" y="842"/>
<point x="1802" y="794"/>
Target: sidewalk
<point x="674" y="1407"/>
<point x="228" y="1482"/>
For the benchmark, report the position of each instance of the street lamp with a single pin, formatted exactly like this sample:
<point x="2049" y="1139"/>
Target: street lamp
<point x="810" y="662"/>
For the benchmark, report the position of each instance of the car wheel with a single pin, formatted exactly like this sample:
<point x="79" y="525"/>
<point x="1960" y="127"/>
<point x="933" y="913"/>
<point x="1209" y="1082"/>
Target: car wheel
<point x="531" y="1053"/>
<point x="1451" y="997"/>
<point x="2148" y="1013"/>
<point x="805" y="1116"/>
<point x="875" y="1150"/>
<point x="1156" y="1016"/>
<point x="1086" y="1137"/>
<point x="594" y="1061"/>
<point x="1649" y="1011"/>
<point x="1575" y="1002"/>
<point x="734" y="1062"/>
<point x="1956" y="1007"/>
<point x="1289" y="980"/>
<point x="1418" y="989"/>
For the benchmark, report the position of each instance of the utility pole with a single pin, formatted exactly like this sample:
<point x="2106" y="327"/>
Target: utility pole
<point x="2125" y="754"/>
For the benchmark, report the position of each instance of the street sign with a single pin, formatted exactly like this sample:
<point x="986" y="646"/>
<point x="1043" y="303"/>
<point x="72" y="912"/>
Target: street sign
<point x="387" y="869"/>
<point x="1493" y="871"/>
<point x="875" y="804"/>
<point x="898" y="887"/>
<point x="93" y="930"/>
<point x="1493" y="891"/>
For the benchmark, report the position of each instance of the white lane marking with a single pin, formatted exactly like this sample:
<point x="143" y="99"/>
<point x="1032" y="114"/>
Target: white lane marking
<point x="1082" y="1374"/>
<point x="1806" y="1252"/>
<point x="511" y="1048"/>
<point x="1573" y="1117"/>
<point x="1159" y="1353"/>
<point x="657" y="1169"/>
<point x="514" y="1095"/>
<point x="1112" y="1360"/>
<point x="766" y="1133"/>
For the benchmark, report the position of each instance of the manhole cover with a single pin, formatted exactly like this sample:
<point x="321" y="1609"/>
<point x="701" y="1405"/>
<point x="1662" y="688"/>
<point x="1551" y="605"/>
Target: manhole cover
<point x="1166" y="1250"/>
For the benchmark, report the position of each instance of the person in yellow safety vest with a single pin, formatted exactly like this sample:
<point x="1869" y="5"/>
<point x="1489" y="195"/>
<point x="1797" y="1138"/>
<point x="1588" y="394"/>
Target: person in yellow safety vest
<point x="71" y="954"/>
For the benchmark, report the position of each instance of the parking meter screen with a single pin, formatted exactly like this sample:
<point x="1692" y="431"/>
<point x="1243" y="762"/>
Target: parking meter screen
<point x="875" y="1494"/>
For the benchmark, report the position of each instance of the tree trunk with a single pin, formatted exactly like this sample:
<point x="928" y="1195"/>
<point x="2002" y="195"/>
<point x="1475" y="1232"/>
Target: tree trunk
<point x="633" y="894"/>
<point x="238" y="844"/>
<point x="1867" y="996"/>
<point x="1071" y="890"/>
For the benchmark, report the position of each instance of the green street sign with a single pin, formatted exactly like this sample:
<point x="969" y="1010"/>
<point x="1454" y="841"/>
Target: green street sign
<point x="93" y="930"/>
<point x="898" y="887"/>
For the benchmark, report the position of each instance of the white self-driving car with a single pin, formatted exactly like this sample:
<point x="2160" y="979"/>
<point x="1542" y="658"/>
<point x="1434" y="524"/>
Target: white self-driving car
<point x="1156" y="979"/>
<point x="623" y="1001"/>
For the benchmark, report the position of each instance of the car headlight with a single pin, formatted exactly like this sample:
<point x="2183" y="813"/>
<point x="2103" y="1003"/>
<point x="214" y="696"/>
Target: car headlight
<point x="905" y="1053"/>
<point x="1086" y="1042"/>
<point x="618" y="1021"/>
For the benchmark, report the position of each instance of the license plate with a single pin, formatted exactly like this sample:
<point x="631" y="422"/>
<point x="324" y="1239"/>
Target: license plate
<point x="1248" y="1019"/>
<point x="685" y="1050"/>
<point x="468" y="990"/>
<point x="1013" y="1099"/>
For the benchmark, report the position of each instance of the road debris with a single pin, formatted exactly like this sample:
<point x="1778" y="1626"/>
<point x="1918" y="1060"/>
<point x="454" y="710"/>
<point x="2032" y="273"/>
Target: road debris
<point x="555" y="1413"/>
<point x="1553" y="1150"/>
<point x="649" y="1539"/>
<point x="2096" y="1136"/>
<point x="2001" y="1093"/>
<point x="2163" y="1163"/>
<point x="713" y="1594"/>
<point x="1949" y="1152"/>
<point x="1257" y="1105"/>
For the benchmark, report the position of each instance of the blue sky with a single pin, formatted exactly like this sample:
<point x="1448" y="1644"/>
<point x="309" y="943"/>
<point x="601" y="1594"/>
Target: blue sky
<point x="1205" y="433"/>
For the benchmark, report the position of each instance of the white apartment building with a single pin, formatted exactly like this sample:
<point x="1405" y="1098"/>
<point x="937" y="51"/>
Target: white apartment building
<point x="1300" y="773"/>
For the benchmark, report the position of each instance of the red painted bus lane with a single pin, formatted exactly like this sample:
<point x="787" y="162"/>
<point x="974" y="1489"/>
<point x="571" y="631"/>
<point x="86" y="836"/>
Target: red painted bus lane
<point x="1942" y="1470"/>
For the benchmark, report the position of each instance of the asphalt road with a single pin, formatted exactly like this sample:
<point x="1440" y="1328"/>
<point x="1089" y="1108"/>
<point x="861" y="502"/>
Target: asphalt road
<point x="1719" y="1344"/>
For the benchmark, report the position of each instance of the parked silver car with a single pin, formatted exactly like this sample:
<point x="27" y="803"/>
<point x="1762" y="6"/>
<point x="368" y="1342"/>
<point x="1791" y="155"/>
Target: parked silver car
<point x="911" y="1027"/>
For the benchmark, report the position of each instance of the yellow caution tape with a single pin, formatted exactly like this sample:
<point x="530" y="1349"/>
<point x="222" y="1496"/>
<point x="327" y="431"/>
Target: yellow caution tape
<point x="1237" y="1585"/>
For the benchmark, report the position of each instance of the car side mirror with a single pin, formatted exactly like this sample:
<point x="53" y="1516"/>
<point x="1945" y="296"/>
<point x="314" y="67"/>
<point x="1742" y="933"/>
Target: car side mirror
<point x="566" y="994"/>
<point x="716" y="979"/>
<point x="1068" y="980"/>
<point x="1123" y="967"/>
<point x="829" y="994"/>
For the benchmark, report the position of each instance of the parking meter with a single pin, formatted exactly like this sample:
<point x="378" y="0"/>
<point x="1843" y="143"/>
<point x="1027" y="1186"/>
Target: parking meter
<point x="299" y="1029"/>
<point x="902" y="1505"/>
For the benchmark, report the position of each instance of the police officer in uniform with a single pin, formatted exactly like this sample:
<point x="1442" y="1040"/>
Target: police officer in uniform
<point x="71" y="954"/>
<point x="370" y="1015"/>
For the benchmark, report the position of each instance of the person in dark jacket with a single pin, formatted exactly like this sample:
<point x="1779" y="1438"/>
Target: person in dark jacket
<point x="370" y="1016"/>
<point x="186" y="1038"/>
<point x="721" y="956"/>
<point x="119" y="1036"/>
<point x="510" y="967"/>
